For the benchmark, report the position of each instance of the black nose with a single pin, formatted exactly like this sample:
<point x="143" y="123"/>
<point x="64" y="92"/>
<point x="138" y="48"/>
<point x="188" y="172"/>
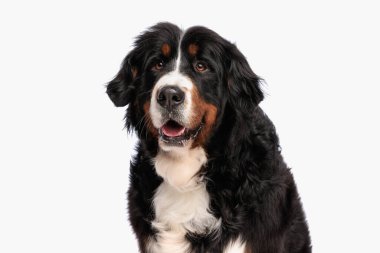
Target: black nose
<point x="170" y="97"/>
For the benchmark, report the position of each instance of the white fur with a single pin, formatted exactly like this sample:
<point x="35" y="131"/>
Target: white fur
<point x="178" y="62"/>
<point x="235" y="247"/>
<point x="178" y="212"/>
<point x="177" y="166"/>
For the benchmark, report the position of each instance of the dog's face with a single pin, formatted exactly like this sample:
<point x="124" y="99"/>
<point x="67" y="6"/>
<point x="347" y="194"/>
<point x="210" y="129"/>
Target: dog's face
<point x="178" y="84"/>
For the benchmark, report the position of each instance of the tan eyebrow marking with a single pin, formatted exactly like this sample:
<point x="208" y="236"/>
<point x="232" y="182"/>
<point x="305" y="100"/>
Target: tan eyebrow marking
<point x="165" y="49"/>
<point x="193" y="49"/>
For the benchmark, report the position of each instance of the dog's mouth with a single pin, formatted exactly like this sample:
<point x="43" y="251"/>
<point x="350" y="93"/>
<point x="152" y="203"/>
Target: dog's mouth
<point x="175" y="134"/>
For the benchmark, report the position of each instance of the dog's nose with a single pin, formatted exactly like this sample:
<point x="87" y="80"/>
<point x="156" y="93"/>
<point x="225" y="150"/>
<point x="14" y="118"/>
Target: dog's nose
<point x="170" y="97"/>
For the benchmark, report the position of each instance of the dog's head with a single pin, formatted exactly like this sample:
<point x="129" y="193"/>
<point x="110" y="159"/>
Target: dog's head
<point x="177" y="85"/>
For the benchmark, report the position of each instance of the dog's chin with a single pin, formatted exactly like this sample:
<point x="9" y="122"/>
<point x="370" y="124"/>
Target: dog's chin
<point x="173" y="135"/>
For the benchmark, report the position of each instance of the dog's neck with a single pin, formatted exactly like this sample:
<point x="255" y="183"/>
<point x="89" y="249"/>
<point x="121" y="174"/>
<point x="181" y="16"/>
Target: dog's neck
<point x="179" y="167"/>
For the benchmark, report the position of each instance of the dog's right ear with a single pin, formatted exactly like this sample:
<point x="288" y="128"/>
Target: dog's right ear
<point x="121" y="89"/>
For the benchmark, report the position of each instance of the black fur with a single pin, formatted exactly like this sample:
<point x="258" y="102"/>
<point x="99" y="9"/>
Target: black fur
<point x="251" y="188"/>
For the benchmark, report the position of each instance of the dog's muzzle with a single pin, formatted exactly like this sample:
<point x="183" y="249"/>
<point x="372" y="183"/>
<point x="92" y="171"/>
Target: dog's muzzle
<point x="174" y="132"/>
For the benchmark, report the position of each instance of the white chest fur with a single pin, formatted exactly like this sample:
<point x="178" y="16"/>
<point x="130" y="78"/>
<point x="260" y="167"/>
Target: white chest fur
<point x="181" y="203"/>
<point x="179" y="212"/>
<point x="235" y="247"/>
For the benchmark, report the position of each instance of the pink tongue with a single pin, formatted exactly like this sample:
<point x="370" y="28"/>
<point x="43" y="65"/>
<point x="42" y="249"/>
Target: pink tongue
<point x="173" y="131"/>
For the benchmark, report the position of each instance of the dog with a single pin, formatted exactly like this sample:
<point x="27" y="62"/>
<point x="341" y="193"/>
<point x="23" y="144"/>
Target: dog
<point x="208" y="175"/>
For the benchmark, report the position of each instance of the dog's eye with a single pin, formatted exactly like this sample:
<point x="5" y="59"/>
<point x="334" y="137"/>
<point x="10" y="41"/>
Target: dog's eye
<point x="159" y="65"/>
<point x="200" y="67"/>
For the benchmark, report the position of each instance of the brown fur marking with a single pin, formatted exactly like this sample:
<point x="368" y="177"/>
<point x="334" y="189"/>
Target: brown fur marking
<point x="148" y="121"/>
<point x="202" y="110"/>
<point x="193" y="49"/>
<point x="165" y="49"/>
<point x="134" y="72"/>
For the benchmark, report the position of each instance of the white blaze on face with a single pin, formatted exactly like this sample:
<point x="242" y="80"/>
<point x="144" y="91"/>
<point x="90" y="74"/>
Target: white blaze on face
<point x="173" y="78"/>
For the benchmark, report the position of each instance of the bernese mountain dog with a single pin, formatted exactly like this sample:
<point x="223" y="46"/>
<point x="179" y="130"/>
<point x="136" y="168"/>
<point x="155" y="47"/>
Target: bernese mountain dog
<point x="208" y="175"/>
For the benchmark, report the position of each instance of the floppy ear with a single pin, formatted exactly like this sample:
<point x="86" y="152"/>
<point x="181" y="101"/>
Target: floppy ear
<point x="120" y="89"/>
<point x="243" y="84"/>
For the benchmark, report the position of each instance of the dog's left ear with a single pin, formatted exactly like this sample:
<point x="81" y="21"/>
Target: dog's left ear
<point x="243" y="84"/>
<point x="121" y="89"/>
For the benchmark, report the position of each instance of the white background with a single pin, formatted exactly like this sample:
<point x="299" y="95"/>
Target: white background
<point x="64" y="155"/>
